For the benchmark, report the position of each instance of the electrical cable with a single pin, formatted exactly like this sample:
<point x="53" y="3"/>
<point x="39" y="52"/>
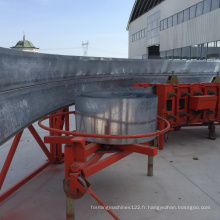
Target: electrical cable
<point x="73" y="48"/>
<point x="186" y="122"/>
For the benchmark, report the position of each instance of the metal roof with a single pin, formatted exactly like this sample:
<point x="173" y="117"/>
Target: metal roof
<point x="24" y="44"/>
<point x="140" y="7"/>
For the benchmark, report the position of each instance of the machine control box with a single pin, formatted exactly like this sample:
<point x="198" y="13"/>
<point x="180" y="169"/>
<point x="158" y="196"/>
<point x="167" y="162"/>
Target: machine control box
<point x="203" y="102"/>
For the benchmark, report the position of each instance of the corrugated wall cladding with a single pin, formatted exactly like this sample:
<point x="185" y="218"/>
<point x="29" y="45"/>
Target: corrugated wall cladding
<point x="202" y="29"/>
<point x="171" y="7"/>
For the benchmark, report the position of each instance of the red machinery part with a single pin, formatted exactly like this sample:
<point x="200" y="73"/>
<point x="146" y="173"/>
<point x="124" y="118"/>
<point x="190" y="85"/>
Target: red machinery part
<point x="203" y="102"/>
<point x="77" y="151"/>
<point x="187" y="104"/>
<point x="10" y="156"/>
<point x="54" y="155"/>
<point x="74" y="133"/>
<point x="78" y="165"/>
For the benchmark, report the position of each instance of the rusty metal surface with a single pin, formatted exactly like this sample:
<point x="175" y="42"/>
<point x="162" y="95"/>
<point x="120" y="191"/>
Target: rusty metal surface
<point x="33" y="85"/>
<point x="116" y="113"/>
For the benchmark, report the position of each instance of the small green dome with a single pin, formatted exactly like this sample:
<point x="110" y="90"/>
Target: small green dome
<point x="24" y="44"/>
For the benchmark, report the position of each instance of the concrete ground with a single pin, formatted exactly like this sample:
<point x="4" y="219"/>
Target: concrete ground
<point x="185" y="185"/>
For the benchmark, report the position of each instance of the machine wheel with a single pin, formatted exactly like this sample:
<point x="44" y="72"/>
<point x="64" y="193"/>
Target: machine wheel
<point x="78" y="195"/>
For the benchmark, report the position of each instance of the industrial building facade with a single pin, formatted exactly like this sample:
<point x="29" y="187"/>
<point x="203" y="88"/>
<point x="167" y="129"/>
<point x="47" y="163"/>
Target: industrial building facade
<point x="174" y="29"/>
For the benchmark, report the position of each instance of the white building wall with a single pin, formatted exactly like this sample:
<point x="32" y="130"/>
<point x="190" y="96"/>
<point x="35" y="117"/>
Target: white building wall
<point x="198" y="30"/>
<point x="201" y="29"/>
<point x="171" y="7"/>
<point x="33" y="50"/>
<point x="139" y="48"/>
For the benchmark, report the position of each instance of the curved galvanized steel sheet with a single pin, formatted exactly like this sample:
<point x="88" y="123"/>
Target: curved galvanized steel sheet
<point x="33" y="85"/>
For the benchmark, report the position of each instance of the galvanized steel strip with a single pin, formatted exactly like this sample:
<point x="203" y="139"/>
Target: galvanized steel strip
<point x="33" y="85"/>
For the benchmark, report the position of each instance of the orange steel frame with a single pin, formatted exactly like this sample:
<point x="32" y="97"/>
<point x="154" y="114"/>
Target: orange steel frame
<point x="77" y="150"/>
<point x="77" y="164"/>
<point x="55" y="154"/>
<point x="82" y="159"/>
<point x="9" y="158"/>
<point x="186" y="104"/>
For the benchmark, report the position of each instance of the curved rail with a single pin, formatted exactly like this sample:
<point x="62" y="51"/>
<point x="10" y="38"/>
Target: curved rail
<point x="75" y="133"/>
<point x="34" y="85"/>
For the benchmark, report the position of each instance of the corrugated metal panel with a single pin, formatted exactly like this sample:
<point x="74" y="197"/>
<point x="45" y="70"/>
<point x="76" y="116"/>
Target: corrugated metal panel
<point x="171" y="7"/>
<point x="199" y="30"/>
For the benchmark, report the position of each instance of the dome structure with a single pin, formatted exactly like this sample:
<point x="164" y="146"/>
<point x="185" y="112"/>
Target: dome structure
<point x="25" y="45"/>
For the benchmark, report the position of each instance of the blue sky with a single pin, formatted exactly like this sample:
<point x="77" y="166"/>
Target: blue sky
<point x="56" y="24"/>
